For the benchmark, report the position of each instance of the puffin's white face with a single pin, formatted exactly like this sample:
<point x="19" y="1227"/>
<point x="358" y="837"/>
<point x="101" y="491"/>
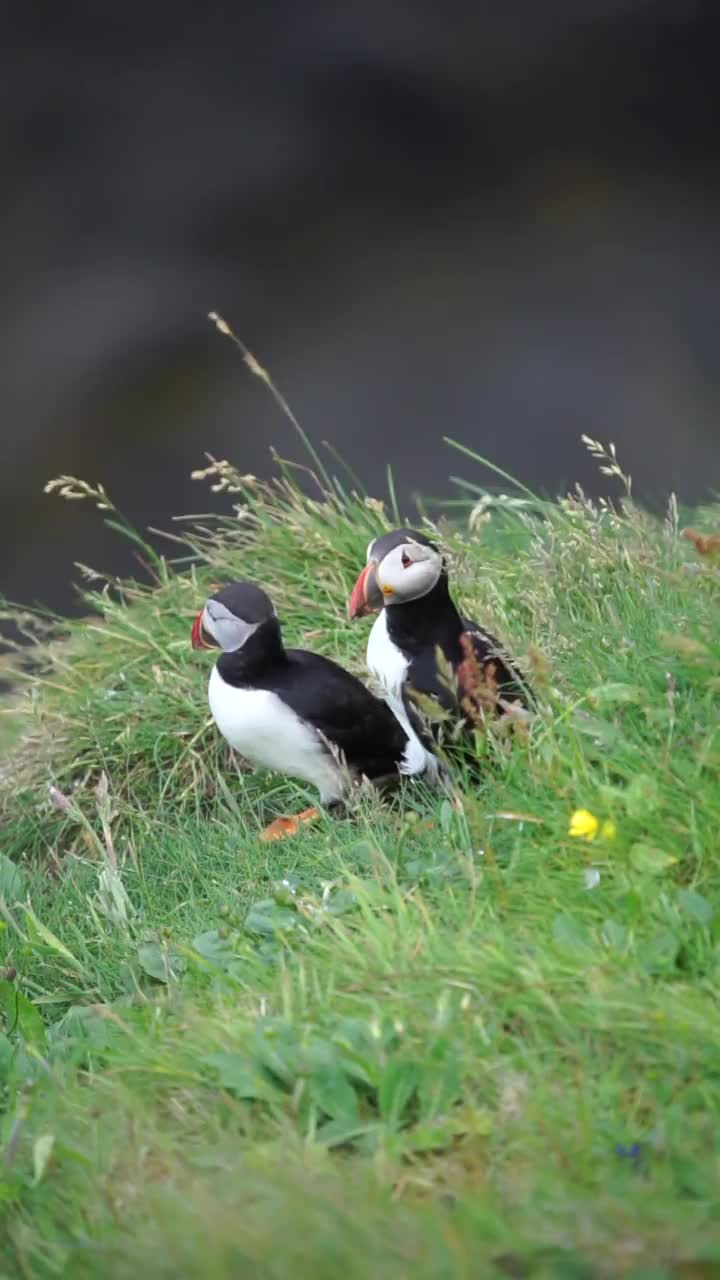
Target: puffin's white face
<point x="408" y="572"/>
<point x="229" y="632"/>
<point x="400" y="567"/>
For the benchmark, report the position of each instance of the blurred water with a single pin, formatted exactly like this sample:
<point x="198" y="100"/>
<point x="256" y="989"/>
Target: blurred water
<point x="496" y="224"/>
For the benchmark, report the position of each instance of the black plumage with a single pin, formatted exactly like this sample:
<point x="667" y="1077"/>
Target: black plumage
<point x="445" y="657"/>
<point x="420" y="627"/>
<point x="322" y="694"/>
<point x="289" y="710"/>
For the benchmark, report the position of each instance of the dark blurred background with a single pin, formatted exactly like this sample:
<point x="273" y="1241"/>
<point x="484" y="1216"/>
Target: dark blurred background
<point x="498" y="221"/>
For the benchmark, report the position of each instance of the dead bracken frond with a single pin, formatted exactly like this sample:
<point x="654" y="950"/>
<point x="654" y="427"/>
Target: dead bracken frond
<point x="706" y="544"/>
<point x="477" y="684"/>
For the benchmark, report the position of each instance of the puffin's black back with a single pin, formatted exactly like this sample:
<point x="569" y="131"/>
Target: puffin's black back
<point x="343" y="710"/>
<point x="419" y="627"/>
<point x="324" y="695"/>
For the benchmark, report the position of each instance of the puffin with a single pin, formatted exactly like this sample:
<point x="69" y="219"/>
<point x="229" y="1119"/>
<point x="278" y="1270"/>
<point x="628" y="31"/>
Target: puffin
<point x="406" y="578"/>
<point x="296" y="712"/>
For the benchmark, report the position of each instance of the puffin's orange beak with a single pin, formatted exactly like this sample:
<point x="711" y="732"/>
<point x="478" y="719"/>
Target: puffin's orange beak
<point x="366" y="594"/>
<point x="199" y="636"/>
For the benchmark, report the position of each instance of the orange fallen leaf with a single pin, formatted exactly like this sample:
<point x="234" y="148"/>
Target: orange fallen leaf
<point x="281" y="828"/>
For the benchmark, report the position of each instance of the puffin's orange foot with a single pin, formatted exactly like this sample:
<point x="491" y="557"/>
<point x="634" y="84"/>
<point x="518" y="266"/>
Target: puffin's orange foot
<point x="281" y="828"/>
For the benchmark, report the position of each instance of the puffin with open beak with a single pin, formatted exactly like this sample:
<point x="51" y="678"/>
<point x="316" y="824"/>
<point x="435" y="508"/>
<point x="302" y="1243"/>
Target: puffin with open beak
<point x="406" y="579"/>
<point x="296" y="712"/>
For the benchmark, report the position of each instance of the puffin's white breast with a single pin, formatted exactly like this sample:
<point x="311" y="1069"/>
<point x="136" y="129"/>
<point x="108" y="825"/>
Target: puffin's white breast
<point x="262" y="727"/>
<point x="390" y="666"/>
<point x="384" y="659"/>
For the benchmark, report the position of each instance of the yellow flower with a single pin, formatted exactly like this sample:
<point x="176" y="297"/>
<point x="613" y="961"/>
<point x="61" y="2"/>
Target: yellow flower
<point x="583" y="825"/>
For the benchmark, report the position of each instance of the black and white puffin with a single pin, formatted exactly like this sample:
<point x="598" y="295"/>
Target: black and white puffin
<point x="406" y="579"/>
<point x="296" y="712"/>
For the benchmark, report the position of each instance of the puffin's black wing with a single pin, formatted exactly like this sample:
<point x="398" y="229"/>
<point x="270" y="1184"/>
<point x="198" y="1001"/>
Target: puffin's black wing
<point x="347" y="714"/>
<point x="491" y="664"/>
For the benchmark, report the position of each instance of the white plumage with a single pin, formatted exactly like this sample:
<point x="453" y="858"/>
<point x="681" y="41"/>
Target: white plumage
<point x="389" y="666"/>
<point x="259" y="725"/>
<point x="386" y="662"/>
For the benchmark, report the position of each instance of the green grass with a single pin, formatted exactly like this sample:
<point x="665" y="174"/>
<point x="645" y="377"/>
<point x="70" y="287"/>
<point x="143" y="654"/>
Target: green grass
<point x="421" y="1041"/>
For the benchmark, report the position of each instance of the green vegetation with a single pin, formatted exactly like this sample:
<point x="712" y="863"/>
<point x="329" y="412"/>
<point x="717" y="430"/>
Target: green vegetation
<point x="425" y="1041"/>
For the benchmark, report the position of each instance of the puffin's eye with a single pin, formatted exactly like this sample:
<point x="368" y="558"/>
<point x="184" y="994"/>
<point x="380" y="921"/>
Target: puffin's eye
<point x="405" y="560"/>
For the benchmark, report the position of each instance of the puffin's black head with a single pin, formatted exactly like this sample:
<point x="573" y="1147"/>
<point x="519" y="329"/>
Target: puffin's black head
<point x="401" y="566"/>
<point x="231" y="617"/>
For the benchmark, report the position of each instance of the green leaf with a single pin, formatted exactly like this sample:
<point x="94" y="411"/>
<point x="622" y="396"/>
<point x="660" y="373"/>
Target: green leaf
<point x="435" y="867"/>
<point x="602" y="732"/>
<point x="21" y="1016"/>
<point x="633" y="904"/>
<point x="332" y="1092"/>
<point x="341" y="901"/>
<point x="439" y="1087"/>
<point x="358" y="1050"/>
<point x="268" y="917"/>
<point x="84" y="1026"/>
<point x="319" y="1052"/>
<point x="614" y="935"/>
<point x="432" y="1136"/>
<point x="6" y="1054"/>
<point x="38" y="932"/>
<point x="63" y="1152"/>
<point x="568" y="934"/>
<point x="562" y="1264"/>
<point x="398" y="1083"/>
<point x="213" y="948"/>
<point x="446" y="817"/>
<point x="162" y="963"/>
<point x="658" y="954"/>
<point x="695" y="906"/>
<point x="651" y="861"/>
<point x="42" y="1151"/>
<point x="338" y="1133"/>
<point x="642" y="796"/>
<point x="25" y="1067"/>
<point x="238" y="1074"/>
<point x="12" y="880"/>
<point x="278" y="1049"/>
<point x="361" y="851"/>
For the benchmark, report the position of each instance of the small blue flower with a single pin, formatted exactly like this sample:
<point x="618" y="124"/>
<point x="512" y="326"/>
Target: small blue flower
<point x="633" y="1151"/>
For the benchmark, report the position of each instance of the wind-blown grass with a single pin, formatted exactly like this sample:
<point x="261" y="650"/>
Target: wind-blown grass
<point x="424" y="1040"/>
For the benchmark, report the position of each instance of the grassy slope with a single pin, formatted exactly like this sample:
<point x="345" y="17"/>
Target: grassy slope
<point x="434" y="1051"/>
